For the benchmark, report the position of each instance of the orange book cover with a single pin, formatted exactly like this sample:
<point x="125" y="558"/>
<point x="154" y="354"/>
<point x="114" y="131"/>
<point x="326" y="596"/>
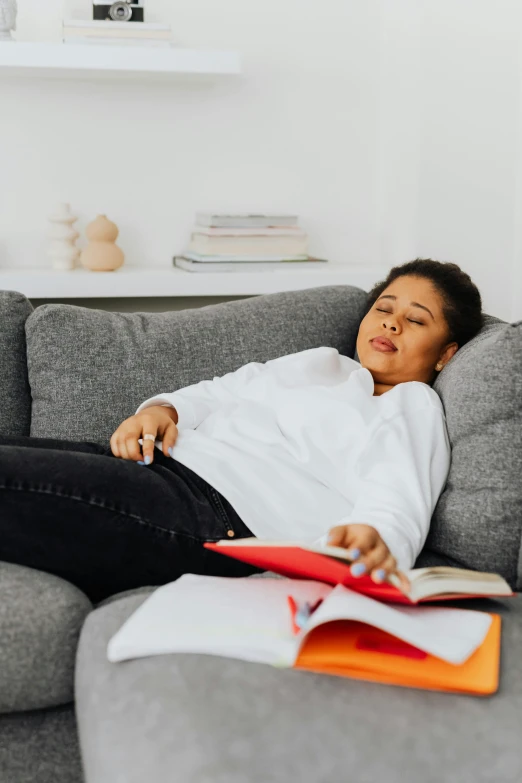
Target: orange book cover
<point x="362" y="652"/>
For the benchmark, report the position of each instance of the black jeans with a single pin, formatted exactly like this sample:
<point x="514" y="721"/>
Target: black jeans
<point x="107" y="524"/>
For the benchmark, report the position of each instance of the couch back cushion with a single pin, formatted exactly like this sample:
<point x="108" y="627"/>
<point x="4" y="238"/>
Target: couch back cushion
<point x="15" y="394"/>
<point x="90" y="369"/>
<point x="478" y="520"/>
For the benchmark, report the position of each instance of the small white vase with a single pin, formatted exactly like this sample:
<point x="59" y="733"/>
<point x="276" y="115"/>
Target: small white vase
<point x="8" y="11"/>
<point x="62" y="249"/>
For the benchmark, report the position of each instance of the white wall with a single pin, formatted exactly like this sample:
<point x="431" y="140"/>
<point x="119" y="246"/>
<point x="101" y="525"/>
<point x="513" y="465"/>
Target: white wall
<point x="390" y="126"/>
<point x="470" y="144"/>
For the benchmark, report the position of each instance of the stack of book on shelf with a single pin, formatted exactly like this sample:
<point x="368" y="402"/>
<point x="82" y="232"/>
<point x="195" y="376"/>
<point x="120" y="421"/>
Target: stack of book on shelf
<point x="91" y="31"/>
<point x="323" y="619"/>
<point x="246" y="243"/>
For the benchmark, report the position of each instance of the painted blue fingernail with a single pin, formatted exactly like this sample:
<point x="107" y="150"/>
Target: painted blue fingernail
<point x="147" y="460"/>
<point x="380" y="574"/>
<point x="354" y="553"/>
<point x="140" y="463"/>
<point x="358" y="569"/>
<point x="170" y="450"/>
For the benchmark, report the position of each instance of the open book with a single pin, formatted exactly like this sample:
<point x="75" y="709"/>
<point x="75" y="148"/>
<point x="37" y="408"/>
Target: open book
<point x="436" y="648"/>
<point x="331" y="564"/>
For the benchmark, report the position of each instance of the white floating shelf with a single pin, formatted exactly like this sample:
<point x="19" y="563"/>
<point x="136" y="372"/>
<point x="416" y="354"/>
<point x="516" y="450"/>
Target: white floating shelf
<point x="129" y="281"/>
<point x="98" y="61"/>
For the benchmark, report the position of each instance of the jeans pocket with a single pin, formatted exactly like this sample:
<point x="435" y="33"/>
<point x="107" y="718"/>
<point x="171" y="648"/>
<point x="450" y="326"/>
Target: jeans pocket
<point x="217" y="503"/>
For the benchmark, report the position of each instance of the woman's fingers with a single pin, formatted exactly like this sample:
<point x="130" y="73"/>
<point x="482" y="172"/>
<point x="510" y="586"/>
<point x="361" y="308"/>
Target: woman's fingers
<point x="123" y="448"/>
<point x="337" y="535"/>
<point x="370" y="554"/>
<point x="355" y="537"/>
<point x="380" y="571"/>
<point x="170" y="436"/>
<point x="166" y="431"/>
<point x="372" y="559"/>
<point x="405" y="582"/>
<point x="149" y="427"/>
<point x="114" y="445"/>
<point x="125" y="442"/>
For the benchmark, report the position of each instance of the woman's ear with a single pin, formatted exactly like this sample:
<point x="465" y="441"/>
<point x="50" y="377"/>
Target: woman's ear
<point x="448" y="353"/>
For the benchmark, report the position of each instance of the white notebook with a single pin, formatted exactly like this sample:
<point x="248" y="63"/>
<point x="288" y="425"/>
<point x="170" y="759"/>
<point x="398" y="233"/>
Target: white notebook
<point x="249" y="618"/>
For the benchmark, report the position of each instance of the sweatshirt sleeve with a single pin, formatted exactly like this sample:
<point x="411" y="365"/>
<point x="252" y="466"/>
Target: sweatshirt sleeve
<point x="403" y="470"/>
<point x="194" y="403"/>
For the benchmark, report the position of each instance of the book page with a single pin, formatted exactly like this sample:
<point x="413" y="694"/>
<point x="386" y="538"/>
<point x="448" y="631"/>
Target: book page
<point x="450" y="634"/>
<point x="440" y="580"/>
<point x="448" y="572"/>
<point x="247" y="618"/>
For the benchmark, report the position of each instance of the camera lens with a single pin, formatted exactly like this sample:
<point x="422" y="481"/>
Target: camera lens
<point x="120" y="12"/>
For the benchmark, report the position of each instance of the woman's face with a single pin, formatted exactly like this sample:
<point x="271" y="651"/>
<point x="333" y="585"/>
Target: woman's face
<point x="418" y="333"/>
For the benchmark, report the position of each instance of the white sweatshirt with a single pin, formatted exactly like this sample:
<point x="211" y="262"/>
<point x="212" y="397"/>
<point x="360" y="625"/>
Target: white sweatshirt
<point x="299" y="444"/>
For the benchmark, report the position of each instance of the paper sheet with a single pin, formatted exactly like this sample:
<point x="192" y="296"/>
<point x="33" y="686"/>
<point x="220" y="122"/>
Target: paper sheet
<point x="448" y="633"/>
<point x="249" y="618"/>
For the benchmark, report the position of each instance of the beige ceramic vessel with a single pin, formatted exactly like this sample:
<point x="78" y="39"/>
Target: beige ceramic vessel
<point x="102" y="254"/>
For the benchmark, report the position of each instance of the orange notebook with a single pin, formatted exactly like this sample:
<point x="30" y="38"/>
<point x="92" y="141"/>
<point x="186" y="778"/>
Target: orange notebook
<point x="361" y="652"/>
<point x="332" y="565"/>
<point x="309" y="625"/>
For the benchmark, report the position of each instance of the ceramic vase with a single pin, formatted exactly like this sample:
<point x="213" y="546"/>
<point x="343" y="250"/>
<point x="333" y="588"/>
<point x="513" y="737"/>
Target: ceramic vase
<point x="62" y="250"/>
<point x="102" y="254"/>
<point x="8" y="11"/>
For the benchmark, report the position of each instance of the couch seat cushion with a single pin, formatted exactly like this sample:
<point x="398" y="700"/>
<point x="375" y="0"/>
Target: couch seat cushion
<point x="208" y="719"/>
<point x="40" y="620"/>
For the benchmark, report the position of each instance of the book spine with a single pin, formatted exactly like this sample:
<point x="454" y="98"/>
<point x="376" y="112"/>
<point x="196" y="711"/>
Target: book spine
<point x="256" y="246"/>
<point x="245" y="221"/>
<point x="123" y="34"/>
<point x="249" y="232"/>
<point x="117" y="42"/>
<point x="272" y="266"/>
<point x="205" y="258"/>
<point x="88" y="24"/>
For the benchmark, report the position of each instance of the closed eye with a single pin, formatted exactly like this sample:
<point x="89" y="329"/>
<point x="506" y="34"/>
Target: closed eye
<point x="409" y="319"/>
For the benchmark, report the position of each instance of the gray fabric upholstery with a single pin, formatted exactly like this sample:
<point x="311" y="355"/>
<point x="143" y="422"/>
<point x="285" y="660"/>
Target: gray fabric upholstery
<point x="87" y="370"/>
<point x="90" y="369"/>
<point x="478" y="520"/>
<point x="40" y="747"/>
<point x="213" y="719"/>
<point x="15" y="394"/>
<point x="40" y="621"/>
<point x="205" y="719"/>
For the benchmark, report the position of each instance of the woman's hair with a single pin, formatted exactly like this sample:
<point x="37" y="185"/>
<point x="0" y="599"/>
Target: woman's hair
<point x="462" y="303"/>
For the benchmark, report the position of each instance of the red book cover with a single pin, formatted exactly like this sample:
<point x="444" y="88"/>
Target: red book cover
<point x="298" y="563"/>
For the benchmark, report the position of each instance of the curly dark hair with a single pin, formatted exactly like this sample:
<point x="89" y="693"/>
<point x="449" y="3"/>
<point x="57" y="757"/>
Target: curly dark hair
<point x="462" y="303"/>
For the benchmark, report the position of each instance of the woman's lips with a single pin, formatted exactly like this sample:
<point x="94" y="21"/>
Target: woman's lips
<point x="383" y="347"/>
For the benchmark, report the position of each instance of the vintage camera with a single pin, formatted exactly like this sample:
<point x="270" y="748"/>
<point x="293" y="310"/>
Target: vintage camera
<point x="120" y="11"/>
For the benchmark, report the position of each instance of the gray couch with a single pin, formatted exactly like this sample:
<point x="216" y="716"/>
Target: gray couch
<point x="67" y="715"/>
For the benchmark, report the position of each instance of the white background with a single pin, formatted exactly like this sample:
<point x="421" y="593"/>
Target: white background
<point x="391" y="127"/>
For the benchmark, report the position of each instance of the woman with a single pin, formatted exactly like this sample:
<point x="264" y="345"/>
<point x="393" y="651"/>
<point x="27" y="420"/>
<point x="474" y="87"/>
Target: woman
<point x="311" y="446"/>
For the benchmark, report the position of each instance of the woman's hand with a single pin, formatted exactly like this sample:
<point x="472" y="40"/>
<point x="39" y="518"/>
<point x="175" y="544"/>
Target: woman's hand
<point x="157" y="420"/>
<point x="367" y="548"/>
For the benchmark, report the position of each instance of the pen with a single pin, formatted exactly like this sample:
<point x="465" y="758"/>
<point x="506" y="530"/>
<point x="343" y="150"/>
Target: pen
<point x="301" y="615"/>
<point x="293" y="611"/>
